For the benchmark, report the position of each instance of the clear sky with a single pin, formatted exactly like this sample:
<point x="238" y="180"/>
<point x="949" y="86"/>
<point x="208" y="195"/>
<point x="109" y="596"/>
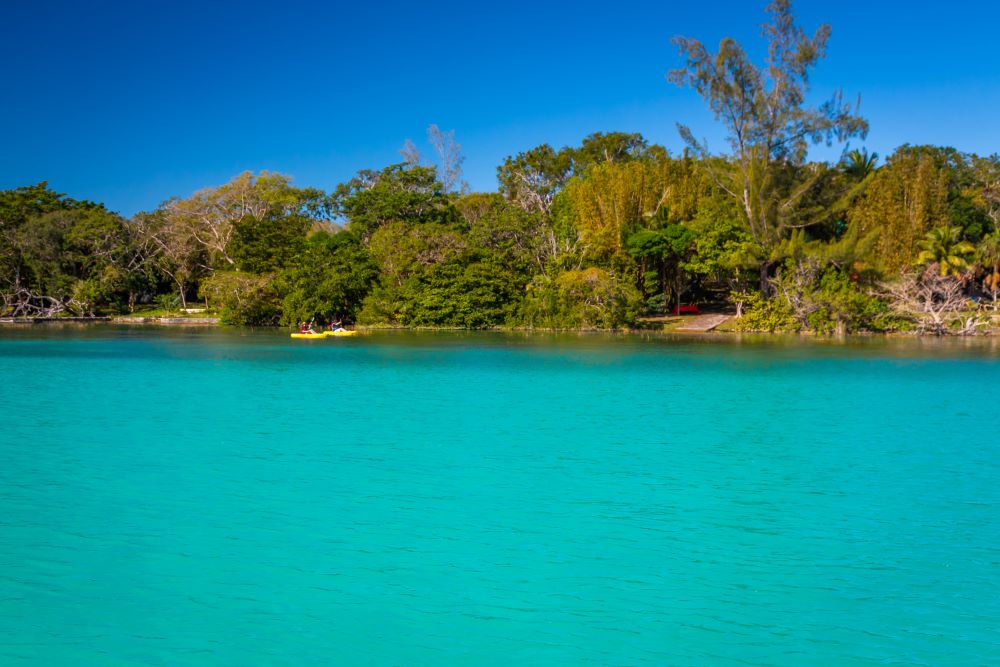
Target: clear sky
<point x="132" y="102"/>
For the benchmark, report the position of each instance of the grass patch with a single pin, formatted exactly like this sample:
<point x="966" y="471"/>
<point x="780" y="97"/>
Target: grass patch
<point x="156" y="311"/>
<point x="659" y="322"/>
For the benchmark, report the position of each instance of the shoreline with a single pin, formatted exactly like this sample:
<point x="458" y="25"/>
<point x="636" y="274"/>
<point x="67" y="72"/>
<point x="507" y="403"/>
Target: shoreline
<point x="199" y="321"/>
<point x="678" y="331"/>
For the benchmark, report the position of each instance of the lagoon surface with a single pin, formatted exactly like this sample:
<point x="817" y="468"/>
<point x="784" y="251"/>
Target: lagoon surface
<point x="230" y="497"/>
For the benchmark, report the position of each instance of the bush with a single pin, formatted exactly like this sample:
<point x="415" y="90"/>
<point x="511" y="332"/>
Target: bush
<point x="245" y="298"/>
<point x="844" y="302"/>
<point x="329" y="281"/>
<point x="760" y="314"/>
<point x="657" y="304"/>
<point x="823" y="302"/>
<point x="167" y="302"/>
<point x="474" y="296"/>
<point x="581" y="299"/>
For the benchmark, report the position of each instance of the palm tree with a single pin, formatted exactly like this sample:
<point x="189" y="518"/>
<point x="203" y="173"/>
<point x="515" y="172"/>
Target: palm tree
<point x="944" y="246"/>
<point x="988" y="254"/>
<point x="859" y="163"/>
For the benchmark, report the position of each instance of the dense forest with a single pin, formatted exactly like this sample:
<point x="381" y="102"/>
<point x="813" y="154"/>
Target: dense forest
<point x="597" y="235"/>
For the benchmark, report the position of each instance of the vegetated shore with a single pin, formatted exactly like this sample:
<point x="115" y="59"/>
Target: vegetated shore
<point x="200" y="321"/>
<point x="678" y="325"/>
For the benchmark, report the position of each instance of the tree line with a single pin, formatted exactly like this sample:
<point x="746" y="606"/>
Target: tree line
<point x="596" y="235"/>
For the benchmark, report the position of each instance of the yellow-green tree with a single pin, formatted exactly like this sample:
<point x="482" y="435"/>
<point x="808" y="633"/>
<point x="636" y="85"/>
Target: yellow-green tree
<point x="614" y="200"/>
<point x="905" y="199"/>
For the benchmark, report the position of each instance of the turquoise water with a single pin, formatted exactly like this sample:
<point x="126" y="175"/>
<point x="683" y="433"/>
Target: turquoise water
<point x="204" y="497"/>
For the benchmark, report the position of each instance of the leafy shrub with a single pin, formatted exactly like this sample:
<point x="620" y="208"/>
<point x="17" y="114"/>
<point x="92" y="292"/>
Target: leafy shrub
<point x="478" y="295"/>
<point x="581" y="299"/>
<point x="657" y="304"/>
<point x="844" y="301"/>
<point x="760" y="314"/>
<point x="245" y="298"/>
<point x="330" y="280"/>
<point x="167" y="301"/>
<point x="823" y="301"/>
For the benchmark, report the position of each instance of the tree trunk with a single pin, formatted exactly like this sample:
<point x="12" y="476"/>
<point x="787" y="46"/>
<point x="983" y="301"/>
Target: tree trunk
<point x="665" y="287"/>
<point x="765" y="279"/>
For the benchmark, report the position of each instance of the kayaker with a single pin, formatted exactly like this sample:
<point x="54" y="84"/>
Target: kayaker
<point x="306" y="328"/>
<point x="335" y="325"/>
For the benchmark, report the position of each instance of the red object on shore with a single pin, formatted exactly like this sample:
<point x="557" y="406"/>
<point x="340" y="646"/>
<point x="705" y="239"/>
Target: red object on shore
<point x="685" y="310"/>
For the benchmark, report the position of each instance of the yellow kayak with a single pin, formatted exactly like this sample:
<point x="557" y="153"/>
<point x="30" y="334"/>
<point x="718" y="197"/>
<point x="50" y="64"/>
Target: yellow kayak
<point x="324" y="334"/>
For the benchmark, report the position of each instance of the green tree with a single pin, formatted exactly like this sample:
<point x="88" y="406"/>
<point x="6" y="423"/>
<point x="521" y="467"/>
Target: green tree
<point x="175" y="250"/>
<point x="905" y="199"/>
<point x="531" y="179"/>
<point x="111" y="260"/>
<point x="472" y="293"/>
<point x="591" y="298"/>
<point x="270" y="243"/>
<point x="399" y="192"/>
<point x="724" y="254"/>
<point x="612" y="148"/>
<point x="211" y="216"/>
<point x="401" y="250"/>
<point x="330" y="281"/>
<point x="770" y="127"/>
<point x="61" y="255"/>
<point x="500" y="228"/>
<point x="859" y="163"/>
<point x="243" y="298"/>
<point x="610" y="203"/>
<point x="662" y="254"/>
<point x="945" y="247"/>
<point x="988" y="253"/>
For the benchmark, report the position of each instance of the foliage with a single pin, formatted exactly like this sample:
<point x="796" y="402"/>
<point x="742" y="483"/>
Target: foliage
<point x="329" y="281"/>
<point x="633" y="230"/>
<point x="832" y="300"/>
<point x="401" y="250"/>
<point x="944" y="246"/>
<point x="724" y="252"/>
<point x="591" y="298"/>
<point x="582" y="236"/>
<point x="988" y="254"/>
<point x="59" y="255"/>
<point x="761" y="314"/>
<point x="612" y="148"/>
<point x="903" y="201"/>
<point x="859" y="163"/>
<point x="266" y="244"/>
<point x="243" y="298"/>
<point x="532" y="179"/>
<point x="398" y="192"/>
<point x="212" y="216"/>
<point x="525" y="241"/>
<point x="610" y="204"/>
<point x="662" y="254"/>
<point x="477" y="295"/>
<point x="769" y="125"/>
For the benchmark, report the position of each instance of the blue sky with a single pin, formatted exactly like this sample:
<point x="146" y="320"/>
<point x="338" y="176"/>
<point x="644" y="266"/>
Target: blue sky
<point x="133" y="102"/>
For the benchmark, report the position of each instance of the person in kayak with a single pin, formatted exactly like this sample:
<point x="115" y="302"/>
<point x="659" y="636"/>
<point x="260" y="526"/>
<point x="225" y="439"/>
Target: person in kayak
<point x="306" y="328"/>
<point x="335" y="325"/>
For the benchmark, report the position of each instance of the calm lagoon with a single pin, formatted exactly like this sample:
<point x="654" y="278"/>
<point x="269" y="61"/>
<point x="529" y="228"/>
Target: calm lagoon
<point x="235" y="497"/>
